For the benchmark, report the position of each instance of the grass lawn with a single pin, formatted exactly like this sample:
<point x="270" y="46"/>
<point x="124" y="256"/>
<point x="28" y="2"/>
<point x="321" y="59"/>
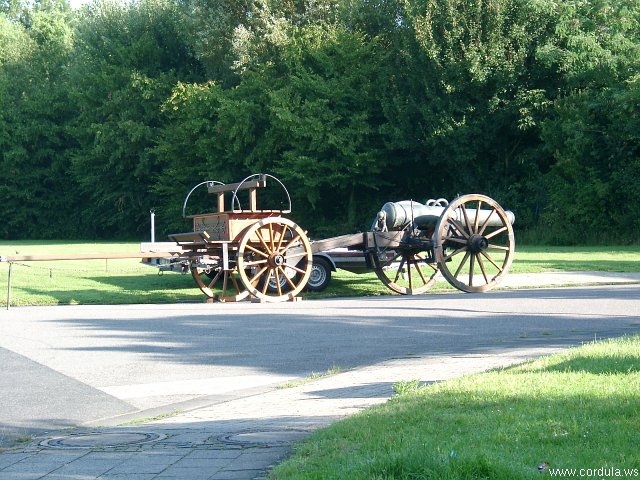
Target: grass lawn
<point x="89" y="281"/>
<point x="575" y="410"/>
<point x="528" y="259"/>
<point x="129" y="281"/>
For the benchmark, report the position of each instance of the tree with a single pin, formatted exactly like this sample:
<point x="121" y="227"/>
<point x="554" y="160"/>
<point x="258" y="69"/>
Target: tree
<point x="465" y="95"/>
<point x="593" y="130"/>
<point x="36" y="190"/>
<point x="191" y="149"/>
<point x="324" y="121"/>
<point x="209" y="26"/>
<point x="128" y="58"/>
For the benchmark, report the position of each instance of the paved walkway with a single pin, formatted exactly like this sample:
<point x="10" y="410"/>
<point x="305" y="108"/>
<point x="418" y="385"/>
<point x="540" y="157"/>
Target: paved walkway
<point x="239" y="439"/>
<point x="243" y="438"/>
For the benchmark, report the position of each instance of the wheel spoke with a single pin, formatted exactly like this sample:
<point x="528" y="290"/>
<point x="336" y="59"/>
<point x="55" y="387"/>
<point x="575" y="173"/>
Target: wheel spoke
<point x="472" y="264"/>
<point x="253" y="280"/>
<point x="391" y="261"/>
<point x="482" y="267"/>
<point x="225" y="280"/>
<point x="253" y="263"/>
<point x="455" y="252"/>
<point x="226" y="287"/>
<point x="420" y="273"/>
<point x="291" y="284"/>
<point x="265" y="284"/>
<point x="477" y="219"/>
<point x="455" y="239"/>
<point x="271" y="239"/>
<point x="488" y="257"/>
<point x="496" y="232"/>
<point x="409" y="273"/>
<point x="459" y="227"/>
<point x="263" y="242"/>
<point x="259" y="252"/>
<point x="215" y="279"/>
<point x="395" y="280"/>
<point x="464" y="260"/>
<point x="296" y="255"/>
<point x="293" y="267"/>
<point x="234" y="280"/>
<point x="498" y="247"/>
<point x="276" y="274"/>
<point x="290" y="244"/>
<point x="282" y="235"/>
<point x="486" y="222"/>
<point x="463" y="207"/>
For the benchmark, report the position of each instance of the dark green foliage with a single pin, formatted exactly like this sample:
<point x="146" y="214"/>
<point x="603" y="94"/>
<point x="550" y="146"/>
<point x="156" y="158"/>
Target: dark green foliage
<point x="321" y="121"/>
<point x="112" y="110"/>
<point x="190" y="151"/>
<point x="593" y="129"/>
<point x="38" y="198"/>
<point x="127" y="60"/>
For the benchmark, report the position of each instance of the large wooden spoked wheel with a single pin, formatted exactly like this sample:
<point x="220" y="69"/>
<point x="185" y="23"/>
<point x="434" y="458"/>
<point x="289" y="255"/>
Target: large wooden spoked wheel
<point x="405" y="271"/>
<point x="474" y="252"/>
<point x="274" y="251"/>
<point x="218" y="284"/>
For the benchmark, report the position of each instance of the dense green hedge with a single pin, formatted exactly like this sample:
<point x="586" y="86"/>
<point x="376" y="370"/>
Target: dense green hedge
<point x="108" y="111"/>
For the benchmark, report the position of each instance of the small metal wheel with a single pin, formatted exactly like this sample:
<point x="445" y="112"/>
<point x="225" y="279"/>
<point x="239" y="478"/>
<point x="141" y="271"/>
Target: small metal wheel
<point x="215" y="283"/>
<point x="320" y="275"/>
<point x="274" y="251"/>
<point x="405" y="272"/>
<point x="474" y="251"/>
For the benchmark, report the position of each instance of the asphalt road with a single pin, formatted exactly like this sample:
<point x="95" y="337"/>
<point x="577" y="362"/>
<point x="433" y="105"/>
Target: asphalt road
<point x="63" y="366"/>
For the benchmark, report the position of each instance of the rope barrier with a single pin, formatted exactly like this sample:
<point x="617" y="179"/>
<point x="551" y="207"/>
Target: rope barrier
<point x="141" y="269"/>
<point x="76" y="272"/>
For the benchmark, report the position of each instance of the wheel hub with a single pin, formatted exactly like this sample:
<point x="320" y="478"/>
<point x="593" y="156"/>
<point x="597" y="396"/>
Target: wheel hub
<point x="478" y="243"/>
<point x="317" y="275"/>
<point x="276" y="260"/>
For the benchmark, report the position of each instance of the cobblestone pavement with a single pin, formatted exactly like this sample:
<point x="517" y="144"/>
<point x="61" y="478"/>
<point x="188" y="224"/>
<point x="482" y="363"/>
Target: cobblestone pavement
<point x="239" y="439"/>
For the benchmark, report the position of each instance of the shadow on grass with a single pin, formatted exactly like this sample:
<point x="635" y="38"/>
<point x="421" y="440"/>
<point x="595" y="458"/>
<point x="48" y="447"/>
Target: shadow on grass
<point x="125" y="289"/>
<point x="351" y="285"/>
<point x="597" y="366"/>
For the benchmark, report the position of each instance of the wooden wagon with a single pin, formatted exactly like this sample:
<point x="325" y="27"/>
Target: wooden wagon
<point x="236" y="252"/>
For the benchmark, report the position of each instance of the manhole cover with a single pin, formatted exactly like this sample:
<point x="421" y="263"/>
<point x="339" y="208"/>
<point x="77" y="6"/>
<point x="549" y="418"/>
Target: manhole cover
<point x="264" y="437"/>
<point x="102" y="440"/>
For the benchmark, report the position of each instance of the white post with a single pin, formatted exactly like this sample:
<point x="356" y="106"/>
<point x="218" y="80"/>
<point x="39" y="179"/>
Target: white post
<point x="153" y="225"/>
<point x="9" y="286"/>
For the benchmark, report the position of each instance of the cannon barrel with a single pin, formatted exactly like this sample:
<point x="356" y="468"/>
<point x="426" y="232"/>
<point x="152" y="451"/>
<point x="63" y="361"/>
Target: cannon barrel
<point x="397" y="215"/>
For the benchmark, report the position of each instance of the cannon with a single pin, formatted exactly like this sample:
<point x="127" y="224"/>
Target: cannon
<point x="470" y="241"/>
<point x="236" y="253"/>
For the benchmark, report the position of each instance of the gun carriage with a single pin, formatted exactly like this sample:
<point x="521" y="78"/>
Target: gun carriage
<point x="239" y="252"/>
